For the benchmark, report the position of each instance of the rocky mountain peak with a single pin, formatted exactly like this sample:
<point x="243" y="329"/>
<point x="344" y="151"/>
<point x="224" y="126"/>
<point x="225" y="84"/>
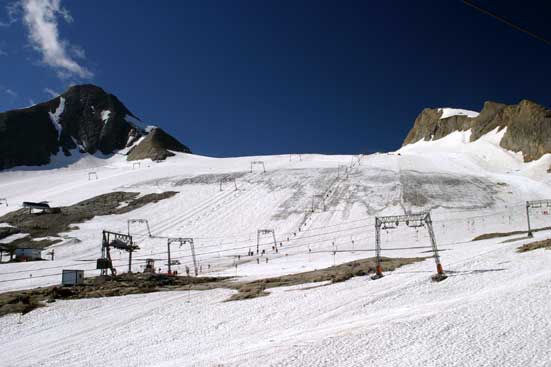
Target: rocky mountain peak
<point x="528" y="126"/>
<point x="85" y="117"/>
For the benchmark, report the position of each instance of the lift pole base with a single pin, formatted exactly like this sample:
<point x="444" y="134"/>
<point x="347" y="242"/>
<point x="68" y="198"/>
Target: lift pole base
<point x="377" y="276"/>
<point x="378" y="272"/>
<point x="438" y="277"/>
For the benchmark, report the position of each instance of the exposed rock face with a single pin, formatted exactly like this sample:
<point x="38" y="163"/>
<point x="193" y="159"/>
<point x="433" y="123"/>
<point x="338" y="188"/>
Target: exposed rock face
<point x="26" y="138"/>
<point x="528" y="126"/>
<point x="85" y="117"/>
<point x="156" y="146"/>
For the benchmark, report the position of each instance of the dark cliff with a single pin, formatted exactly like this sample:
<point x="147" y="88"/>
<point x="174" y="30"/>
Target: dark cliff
<point x="85" y="117"/>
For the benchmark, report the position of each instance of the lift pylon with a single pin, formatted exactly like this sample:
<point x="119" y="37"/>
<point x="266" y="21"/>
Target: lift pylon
<point x="228" y="180"/>
<point x="412" y="221"/>
<point x="182" y="241"/>
<point x="261" y="232"/>
<point x="321" y="200"/>
<point x="535" y="204"/>
<point x="258" y="163"/>
<point x="344" y="169"/>
<point x="144" y="221"/>
<point x="118" y="241"/>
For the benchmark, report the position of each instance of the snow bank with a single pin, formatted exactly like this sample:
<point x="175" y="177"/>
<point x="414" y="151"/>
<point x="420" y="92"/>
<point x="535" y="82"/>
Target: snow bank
<point x="54" y="117"/>
<point x="105" y="116"/>
<point x="449" y="112"/>
<point x="13" y="237"/>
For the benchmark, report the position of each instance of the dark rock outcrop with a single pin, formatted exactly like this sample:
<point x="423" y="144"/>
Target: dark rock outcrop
<point x="85" y="117"/>
<point x="528" y="126"/>
<point x="157" y="145"/>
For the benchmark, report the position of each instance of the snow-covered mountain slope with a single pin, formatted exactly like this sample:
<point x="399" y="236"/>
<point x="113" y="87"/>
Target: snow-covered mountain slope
<point x="451" y="177"/>
<point x="493" y="295"/>
<point x="493" y="310"/>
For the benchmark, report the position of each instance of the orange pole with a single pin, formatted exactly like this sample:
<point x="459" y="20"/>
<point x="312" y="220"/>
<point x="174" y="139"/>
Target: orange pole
<point x="379" y="269"/>
<point x="439" y="269"/>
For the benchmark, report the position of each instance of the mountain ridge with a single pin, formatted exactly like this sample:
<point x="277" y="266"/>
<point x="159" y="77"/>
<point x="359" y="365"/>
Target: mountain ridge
<point x="528" y="126"/>
<point x="85" y="117"/>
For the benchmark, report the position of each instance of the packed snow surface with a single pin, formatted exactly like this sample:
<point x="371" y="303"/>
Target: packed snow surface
<point x="493" y="310"/>
<point x="448" y="112"/>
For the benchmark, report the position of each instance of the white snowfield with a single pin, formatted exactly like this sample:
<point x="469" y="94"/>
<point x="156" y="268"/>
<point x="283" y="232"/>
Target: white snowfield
<point x="493" y="310"/>
<point x="449" y="112"/>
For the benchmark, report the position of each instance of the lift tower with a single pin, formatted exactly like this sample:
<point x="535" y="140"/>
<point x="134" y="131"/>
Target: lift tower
<point x="535" y="204"/>
<point x="182" y="241"/>
<point x="412" y="221"/>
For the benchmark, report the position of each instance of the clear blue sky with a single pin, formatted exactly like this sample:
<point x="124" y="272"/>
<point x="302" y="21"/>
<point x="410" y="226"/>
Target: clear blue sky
<point x="235" y="78"/>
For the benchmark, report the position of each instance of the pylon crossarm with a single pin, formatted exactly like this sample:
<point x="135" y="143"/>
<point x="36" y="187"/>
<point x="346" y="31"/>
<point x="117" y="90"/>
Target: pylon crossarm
<point x="402" y="218"/>
<point x="539" y="203"/>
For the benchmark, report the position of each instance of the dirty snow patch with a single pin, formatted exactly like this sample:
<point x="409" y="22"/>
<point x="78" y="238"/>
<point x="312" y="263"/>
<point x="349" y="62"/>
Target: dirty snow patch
<point x="13" y="237"/>
<point x="47" y="238"/>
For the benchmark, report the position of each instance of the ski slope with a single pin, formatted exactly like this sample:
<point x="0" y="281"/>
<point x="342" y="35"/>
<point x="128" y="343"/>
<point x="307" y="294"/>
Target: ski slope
<point x="492" y="310"/>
